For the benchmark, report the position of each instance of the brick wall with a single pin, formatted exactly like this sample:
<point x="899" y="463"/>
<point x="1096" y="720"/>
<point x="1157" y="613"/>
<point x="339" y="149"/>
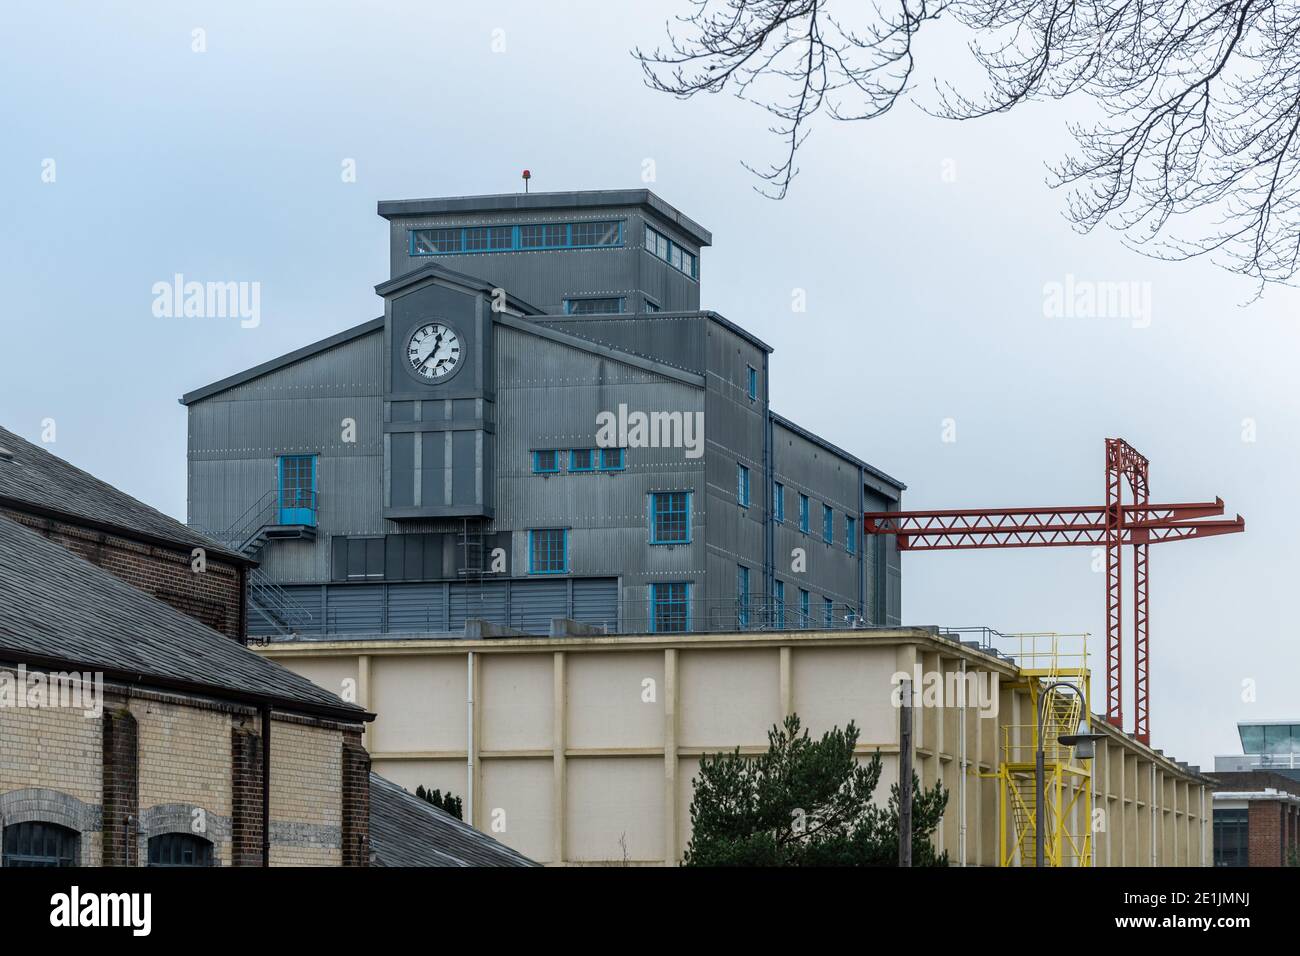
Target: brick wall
<point x="154" y="763"/>
<point x="356" y="801"/>
<point x="121" y="787"/>
<point x="213" y="596"/>
<point x="1265" y="822"/>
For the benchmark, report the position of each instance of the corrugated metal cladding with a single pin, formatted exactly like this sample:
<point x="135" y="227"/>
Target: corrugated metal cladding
<point x="539" y="384"/>
<point x="443" y="607"/>
<point x="545" y="278"/>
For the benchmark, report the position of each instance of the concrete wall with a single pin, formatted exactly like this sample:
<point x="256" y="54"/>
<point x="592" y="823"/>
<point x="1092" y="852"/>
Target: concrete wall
<point x="583" y="750"/>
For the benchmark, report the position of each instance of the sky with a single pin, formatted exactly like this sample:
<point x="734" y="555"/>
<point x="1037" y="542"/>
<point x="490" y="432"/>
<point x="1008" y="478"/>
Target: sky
<point x="143" y="140"/>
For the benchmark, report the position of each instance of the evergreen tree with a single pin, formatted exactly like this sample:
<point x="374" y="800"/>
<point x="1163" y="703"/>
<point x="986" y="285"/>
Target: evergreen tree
<point x="804" y="803"/>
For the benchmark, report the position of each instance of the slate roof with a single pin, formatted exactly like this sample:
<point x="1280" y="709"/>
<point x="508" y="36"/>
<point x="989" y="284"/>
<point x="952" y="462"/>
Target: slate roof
<point x="408" y="831"/>
<point x="40" y="482"/>
<point x="56" y="608"/>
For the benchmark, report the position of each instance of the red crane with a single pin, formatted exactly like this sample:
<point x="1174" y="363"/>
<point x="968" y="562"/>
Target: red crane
<point x="1112" y="526"/>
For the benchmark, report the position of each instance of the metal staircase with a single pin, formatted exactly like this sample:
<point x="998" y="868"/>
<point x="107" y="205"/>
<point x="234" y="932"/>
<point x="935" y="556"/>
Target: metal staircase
<point x="248" y="535"/>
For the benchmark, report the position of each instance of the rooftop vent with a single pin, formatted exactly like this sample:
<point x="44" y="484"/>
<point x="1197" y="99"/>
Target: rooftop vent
<point x="6" y="454"/>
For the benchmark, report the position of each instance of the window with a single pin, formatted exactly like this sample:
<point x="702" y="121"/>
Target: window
<point x="670" y="608"/>
<point x="548" y="235"/>
<point x="778" y="502"/>
<point x="828" y="612"/>
<point x="828" y="524"/>
<point x="36" y="843"/>
<point x="742" y="595"/>
<point x="1231" y="837"/>
<point x="753" y="383"/>
<point x="661" y="247"/>
<point x="548" y="551"/>
<point x="611" y="459"/>
<point x="489" y="238"/>
<point x="805" y="608"/>
<point x="742" y="485"/>
<point x="597" y="233"/>
<point x="850" y="535"/>
<point x="358" y="559"/>
<point x="651" y="305"/>
<point x="510" y="238"/>
<point x="670" y="517"/>
<point x="778" y="605"/>
<point x="804" y="509"/>
<point x="297" y="480"/>
<point x="428" y="242"/>
<point x="179" y="849"/>
<point x="582" y="459"/>
<point x="546" y="462"/>
<point x="593" y="306"/>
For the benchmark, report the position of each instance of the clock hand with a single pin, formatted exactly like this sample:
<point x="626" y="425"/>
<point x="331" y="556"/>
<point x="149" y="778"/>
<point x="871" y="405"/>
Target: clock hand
<point x="437" y="344"/>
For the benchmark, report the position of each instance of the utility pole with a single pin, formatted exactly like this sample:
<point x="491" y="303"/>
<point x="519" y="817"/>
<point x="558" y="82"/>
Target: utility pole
<point x="905" y="776"/>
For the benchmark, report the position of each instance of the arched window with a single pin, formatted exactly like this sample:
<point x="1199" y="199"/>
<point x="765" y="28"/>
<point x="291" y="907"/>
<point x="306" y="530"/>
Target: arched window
<point x="36" y="843"/>
<point x="179" y="849"/>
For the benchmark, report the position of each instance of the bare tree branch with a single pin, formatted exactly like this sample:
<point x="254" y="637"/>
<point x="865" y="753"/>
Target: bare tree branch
<point x="1199" y="100"/>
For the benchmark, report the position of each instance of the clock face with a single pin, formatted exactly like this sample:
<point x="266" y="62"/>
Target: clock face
<point x="434" y="351"/>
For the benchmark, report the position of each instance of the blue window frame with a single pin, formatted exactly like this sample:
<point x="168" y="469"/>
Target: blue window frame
<point x="611" y="459"/>
<point x="548" y="551"/>
<point x="595" y="305"/>
<point x="670" y="608"/>
<point x="805" y="608"/>
<point x="778" y="605"/>
<point x="583" y="459"/>
<point x="296" y="481"/>
<point x="850" y="535"/>
<point x="670" y="517"/>
<point x="778" y="502"/>
<point x="546" y="461"/>
<point x="457" y="240"/>
<point x="805" y="510"/>
<point x="828" y="611"/>
<point x="753" y="383"/>
<point x="742" y="485"/>
<point x="661" y="247"/>
<point x="742" y="595"/>
<point x="828" y="524"/>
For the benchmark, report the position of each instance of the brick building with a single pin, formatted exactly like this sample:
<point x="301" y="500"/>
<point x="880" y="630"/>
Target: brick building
<point x="1256" y="819"/>
<point x="133" y="733"/>
<point x="125" y="537"/>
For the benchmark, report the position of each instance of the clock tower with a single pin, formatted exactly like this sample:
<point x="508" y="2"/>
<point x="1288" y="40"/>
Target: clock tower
<point x="439" y="395"/>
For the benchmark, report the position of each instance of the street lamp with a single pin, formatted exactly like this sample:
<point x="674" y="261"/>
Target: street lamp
<point x="1084" y="748"/>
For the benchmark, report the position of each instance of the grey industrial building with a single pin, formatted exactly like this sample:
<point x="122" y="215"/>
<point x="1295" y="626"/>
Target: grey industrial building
<point x="543" y="424"/>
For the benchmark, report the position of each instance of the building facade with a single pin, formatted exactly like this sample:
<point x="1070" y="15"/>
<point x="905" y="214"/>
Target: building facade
<point x="584" y="751"/>
<point x="542" y="424"/>
<point x="132" y="734"/>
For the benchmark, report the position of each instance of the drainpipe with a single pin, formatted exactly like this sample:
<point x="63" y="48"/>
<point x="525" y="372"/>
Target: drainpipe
<point x="266" y="785"/>
<point x="469" y="738"/>
<point x="961" y="780"/>
<point x="862" y="550"/>
<point x="769" y="526"/>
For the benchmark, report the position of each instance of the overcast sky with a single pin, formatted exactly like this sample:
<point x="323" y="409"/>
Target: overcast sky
<point x="923" y="248"/>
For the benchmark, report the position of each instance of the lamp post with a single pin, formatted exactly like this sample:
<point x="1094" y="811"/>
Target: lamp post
<point x="1084" y="748"/>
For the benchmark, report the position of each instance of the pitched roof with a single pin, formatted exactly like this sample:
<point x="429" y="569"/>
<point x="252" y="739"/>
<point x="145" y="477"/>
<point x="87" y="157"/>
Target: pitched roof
<point x="36" y="481"/>
<point x="57" y="609"/>
<point x="408" y="831"/>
